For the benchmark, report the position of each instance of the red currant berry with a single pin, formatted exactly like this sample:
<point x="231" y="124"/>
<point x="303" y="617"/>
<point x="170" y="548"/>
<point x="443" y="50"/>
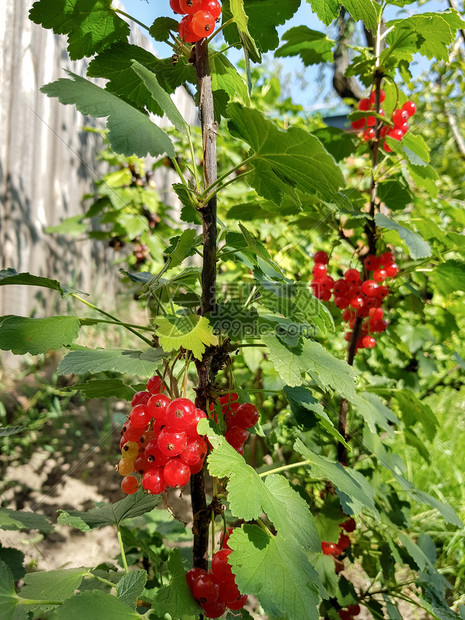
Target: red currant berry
<point x="191" y="429"/>
<point x="382" y="96"/>
<point x="153" y="480"/>
<point x="176" y="473"/>
<point x="383" y="292"/>
<point x="403" y="128"/>
<point x="378" y="326"/>
<point x="330" y="548"/>
<point x="205" y="588"/>
<point x="224" y="540"/>
<point x="344" y="541"/>
<point x="370" y="288"/>
<point x="195" y="469"/>
<point x="155" y="384"/>
<point x="213" y="610"/>
<point x="371" y="121"/>
<point x="327" y="283"/>
<point x="319" y="270"/>
<point x="364" y="105"/>
<point x="395" y="134"/>
<point x="376" y="313"/>
<point x="341" y="287"/>
<point x="371" y="262"/>
<point x="154" y="456"/>
<point x="130" y="433"/>
<point x="392" y="270"/>
<point x="213" y="7"/>
<point x="229" y="592"/>
<point x="387" y="259"/>
<point x="246" y="416"/>
<point x="185" y="31"/>
<point x="190" y="6"/>
<point x="220" y="566"/>
<point x="386" y="147"/>
<point x="399" y="117"/>
<point x="410" y="108"/>
<point x="140" y="398"/>
<point x="369" y="134"/>
<point x="379" y="275"/>
<point x="344" y="614"/>
<point x="172" y="443"/>
<point x="348" y="314"/>
<point x="323" y="293"/>
<point x="321" y="257"/>
<point x="368" y="342"/>
<point x="359" y="124"/>
<point x="364" y="311"/>
<point x="354" y="609"/>
<point x="238" y="603"/>
<point x="236" y="436"/>
<point x="348" y="336"/>
<point x="341" y="302"/>
<point x="193" y="574"/>
<point x="349" y="525"/>
<point x="129" y="485"/>
<point x="179" y="414"/>
<point x="231" y="397"/>
<point x="174" y="4"/>
<point x="139" y="417"/>
<point x="195" y="452"/>
<point x="157" y="405"/>
<point x="203" y="23"/>
<point x="352" y="275"/>
<point x="141" y="464"/>
<point x="146" y="438"/>
<point x="356" y="302"/>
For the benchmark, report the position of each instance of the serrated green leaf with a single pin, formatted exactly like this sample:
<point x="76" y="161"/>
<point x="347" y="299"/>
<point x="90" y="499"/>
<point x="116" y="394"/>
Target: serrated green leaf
<point x="70" y="226"/>
<point x="182" y="247"/>
<point x="130" y="132"/>
<point x="141" y="363"/>
<point x="131" y="586"/>
<point x="276" y="571"/>
<point x="236" y="10"/>
<point x="104" y="388"/>
<point x="339" y="143"/>
<point x="176" y="598"/>
<point x="418" y="247"/>
<point x="22" y="520"/>
<point x="415" y="149"/>
<point x="374" y="412"/>
<point x="353" y="490"/>
<point x="54" y="585"/>
<point x="327" y="10"/>
<point x="91" y="25"/>
<point x="364" y="10"/>
<point x="284" y="506"/>
<point x="425" y="177"/>
<point x="160" y="29"/>
<point x="284" y="161"/>
<point x="159" y="95"/>
<point x="226" y="77"/>
<point x="24" y="335"/>
<point x="8" y="597"/>
<point x="14" y="559"/>
<point x="189" y="331"/>
<point x="312" y="46"/>
<point x="264" y="18"/>
<point x="395" y="194"/>
<point x="10" y="276"/>
<point x="413" y="409"/>
<point x="449" y="277"/>
<point x="95" y="604"/>
<point x="110" y="514"/>
<point x="6" y="431"/>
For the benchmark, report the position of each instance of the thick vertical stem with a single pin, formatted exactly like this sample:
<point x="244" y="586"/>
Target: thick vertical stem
<point x="201" y="513"/>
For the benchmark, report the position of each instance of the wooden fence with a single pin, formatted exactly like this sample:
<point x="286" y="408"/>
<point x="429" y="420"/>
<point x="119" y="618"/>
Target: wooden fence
<point x="47" y="163"/>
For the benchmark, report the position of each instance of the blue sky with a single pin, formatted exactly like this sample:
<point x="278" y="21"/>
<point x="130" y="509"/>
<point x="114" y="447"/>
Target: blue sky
<point x="309" y="96"/>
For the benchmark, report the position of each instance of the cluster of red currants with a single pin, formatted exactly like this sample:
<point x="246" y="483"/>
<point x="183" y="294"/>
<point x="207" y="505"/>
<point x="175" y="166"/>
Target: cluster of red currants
<point x="238" y="417"/>
<point x="358" y="298"/>
<point x="216" y="590"/>
<point x="159" y="441"/>
<point x="399" y="118"/>
<point x="199" y="19"/>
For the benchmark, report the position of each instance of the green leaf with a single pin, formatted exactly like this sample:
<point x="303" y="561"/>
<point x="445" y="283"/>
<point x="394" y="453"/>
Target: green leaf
<point x="14" y="559"/>
<point x="395" y="194"/>
<point x="21" y="520"/>
<point x="418" y="247"/>
<point x="131" y="586"/>
<point x="54" y="585"/>
<point x="236" y="9"/>
<point x="353" y="490"/>
<point x="6" y="431"/>
<point x="287" y="510"/>
<point x="416" y="149"/>
<point x="161" y="27"/>
<point x="24" y="335"/>
<point x="130" y="131"/>
<point x="110" y="514"/>
<point x="413" y="409"/>
<point x="10" y="276"/>
<point x="327" y="10"/>
<point x="189" y="331"/>
<point x="425" y="177"/>
<point x="8" y="597"/>
<point x="141" y="363"/>
<point x="176" y="598"/>
<point x="226" y="77"/>
<point x="284" y="161"/>
<point x="312" y="46"/>
<point x="70" y="226"/>
<point x="449" y="277"/>
<point x="311" y="357"/>
<point x="264" y="17"/>
<point x="339" y="143"/>
<point x="104" y="388"/>
<point x="364" y="10"/>
<point x="275" y="570"/>
<point x="91" y="25"/>
<point x="182" y="247"/>
<point x="375" y="412"/>
<point x="160" y="96"/>
<point x="95" y="604"/>
<point x="304" y="405"/>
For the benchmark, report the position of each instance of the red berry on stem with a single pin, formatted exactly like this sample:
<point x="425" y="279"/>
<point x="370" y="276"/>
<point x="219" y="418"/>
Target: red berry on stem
<point x="172" y="443"/>
<point x="196" y="468"/>
<point x="369" y="134"/>
<point x="379" y="275"/>
<point x="378" y="326"/>
<point x="371" y="262"/>
<point x="174" y="4"/>
<point x="179" y="414"/>
<point x="356" y="302"/>
<point x="129" y="485"/>
<point x="141" y="464"/>
<point x="370" y="288"/>
<point x="341" y="287"/>
<point x="410" y="108"/>
<point x="399" y="117"/>
<point x="195" y="452"/>
<point x="321" y="257"/>
<point x="213" y="7"/>
<point x="395" y="134"/>
<point x="319" y="270"/>
<point x="368" y="342"/>
<point x="185" y="31"/>
<point x="330" y="548"/>
<point x="139" y="417"/>
<point x="132" y="433"/>
<point x="155" y="384"/>
<point x="341" y="302"/>
<point x="203" y="23"/>
<point x="157" y="405"/>
<point x="213" y="610"/>
<point x="392" y="270"/>
<point x="387" y="258"/>
<point x="376" y="313"/>
<point x="352" y="275"/>
<point x="364" y="104"/>
<point x="359" y="124"/>
<point x="238" y="603"/>
<point x="231" y="397"/>
<point x="193" y="574"/>
<point x="246" y="416"/>
<point x="349" y="525"/>
<point x="140" y="398"/>
<point x="153" y="480"/>
<point x="343" y="542"/>
<point x="190" y="6"/>
<point x="344" y="614"/>
<point x="154" y="456"/>
<point x="354" y="609"/>
<point x="191" y="429"/>
<point x="220" y="566"/>
<point x="176" y="473"/>
<point x="382" y="96"/>
<point x="236" y="436"/>
<point x="205" y="589"/>
<point x="229" y="592"/>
